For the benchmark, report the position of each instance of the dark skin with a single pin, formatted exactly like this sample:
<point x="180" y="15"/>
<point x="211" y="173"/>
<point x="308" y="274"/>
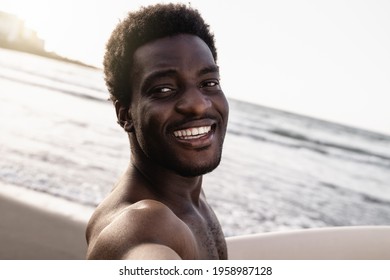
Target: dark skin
<point x="176" y="124"/>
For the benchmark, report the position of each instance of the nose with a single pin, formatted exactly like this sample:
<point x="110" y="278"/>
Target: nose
<point x="193" y="102"/>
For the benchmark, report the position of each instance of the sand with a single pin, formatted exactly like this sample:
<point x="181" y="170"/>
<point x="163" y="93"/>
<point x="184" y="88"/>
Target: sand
<point x="50" y="231"/>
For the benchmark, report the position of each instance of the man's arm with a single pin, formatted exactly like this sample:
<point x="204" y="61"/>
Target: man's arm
<point x="108" y="249"/>
<point x="152" y="251"/>
<point x="147" y="230"/>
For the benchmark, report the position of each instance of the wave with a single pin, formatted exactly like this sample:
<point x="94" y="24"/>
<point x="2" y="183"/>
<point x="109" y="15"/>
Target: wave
<point x="57" y="89"/>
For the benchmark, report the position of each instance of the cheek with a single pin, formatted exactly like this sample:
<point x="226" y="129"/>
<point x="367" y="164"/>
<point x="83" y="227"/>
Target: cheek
<point x="222" y="106"/>
<point x="150" y="120"/>
<point x="226" y="106"/>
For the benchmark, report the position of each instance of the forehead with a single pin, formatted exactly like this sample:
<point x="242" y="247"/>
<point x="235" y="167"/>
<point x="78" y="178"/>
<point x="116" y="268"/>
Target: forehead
<point x="181" y="52"/>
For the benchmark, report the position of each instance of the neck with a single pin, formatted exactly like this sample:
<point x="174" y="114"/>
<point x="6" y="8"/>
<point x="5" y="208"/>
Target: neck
<point x="166" y="184"/>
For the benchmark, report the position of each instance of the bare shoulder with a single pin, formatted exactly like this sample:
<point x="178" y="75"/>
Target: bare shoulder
<point x="147" y="229"/>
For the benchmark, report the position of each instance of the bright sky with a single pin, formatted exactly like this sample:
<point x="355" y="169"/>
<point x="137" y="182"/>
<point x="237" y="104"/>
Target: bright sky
<point x="328" y="59"/>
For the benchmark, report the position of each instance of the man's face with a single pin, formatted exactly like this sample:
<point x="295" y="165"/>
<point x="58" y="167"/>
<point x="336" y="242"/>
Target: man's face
<point x="178" y="109"/>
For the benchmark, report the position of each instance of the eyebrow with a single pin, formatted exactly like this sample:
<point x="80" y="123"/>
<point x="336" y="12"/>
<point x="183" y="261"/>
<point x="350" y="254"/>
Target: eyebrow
<point x="208" y="70"/>
<point x="172" y="72"/>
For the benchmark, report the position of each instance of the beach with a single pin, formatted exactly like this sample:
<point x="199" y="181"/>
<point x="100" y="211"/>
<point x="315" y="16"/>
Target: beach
<point x="62" y="152"/>
<point x="37" y="226"/>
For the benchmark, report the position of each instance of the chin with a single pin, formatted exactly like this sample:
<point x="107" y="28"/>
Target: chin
<point x="189" y="165"/>
<point x="196" y="170"/>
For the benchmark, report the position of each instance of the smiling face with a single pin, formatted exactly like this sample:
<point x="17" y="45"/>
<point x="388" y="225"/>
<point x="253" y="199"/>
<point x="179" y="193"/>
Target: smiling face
<point x="178" y="110"/>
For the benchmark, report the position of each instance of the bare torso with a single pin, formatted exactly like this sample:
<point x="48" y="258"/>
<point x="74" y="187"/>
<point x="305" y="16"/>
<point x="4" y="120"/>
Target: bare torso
<point x="125" y="222"/>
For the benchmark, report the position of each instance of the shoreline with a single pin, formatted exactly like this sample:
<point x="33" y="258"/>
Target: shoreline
<point x="50" y="55"/>
<point x="38" y="226"/>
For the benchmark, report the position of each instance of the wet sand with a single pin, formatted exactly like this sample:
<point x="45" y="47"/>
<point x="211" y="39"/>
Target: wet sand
<point x="29" y="232"/>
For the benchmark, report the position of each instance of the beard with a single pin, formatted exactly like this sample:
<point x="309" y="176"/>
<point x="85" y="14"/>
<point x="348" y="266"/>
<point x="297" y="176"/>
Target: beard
<point x="185" y="166"/>
<point x="191" y="168"/>
<point x="169" y="155"/>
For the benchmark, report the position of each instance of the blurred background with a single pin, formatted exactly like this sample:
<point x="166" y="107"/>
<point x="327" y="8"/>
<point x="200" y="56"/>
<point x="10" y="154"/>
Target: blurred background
<point x="308" y="82"/>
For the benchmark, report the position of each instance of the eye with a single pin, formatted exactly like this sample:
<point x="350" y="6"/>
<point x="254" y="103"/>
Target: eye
<point x="210" y="84"/>
<point x="161" y="91"/>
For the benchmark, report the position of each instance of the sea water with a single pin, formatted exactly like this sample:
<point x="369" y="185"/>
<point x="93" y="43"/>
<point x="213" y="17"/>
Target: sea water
<point x="279" y="170"/>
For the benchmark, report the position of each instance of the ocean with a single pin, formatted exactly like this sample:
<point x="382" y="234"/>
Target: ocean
<point x="279" y="170"/>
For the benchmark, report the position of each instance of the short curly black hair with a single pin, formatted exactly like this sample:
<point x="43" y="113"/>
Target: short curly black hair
<point x="143" y="26"/>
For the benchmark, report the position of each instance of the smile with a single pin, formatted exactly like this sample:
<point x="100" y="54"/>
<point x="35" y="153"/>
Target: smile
<point x="192" y="133"/>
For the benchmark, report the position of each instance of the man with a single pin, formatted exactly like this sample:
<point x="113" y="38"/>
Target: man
<point x="161" y="71"/>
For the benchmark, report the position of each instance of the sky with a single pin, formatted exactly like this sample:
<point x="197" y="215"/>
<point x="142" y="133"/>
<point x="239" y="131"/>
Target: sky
<point x="326" y="59"/>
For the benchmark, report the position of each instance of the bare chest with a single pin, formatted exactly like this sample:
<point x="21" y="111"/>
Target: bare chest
<point x="209" y="238"/>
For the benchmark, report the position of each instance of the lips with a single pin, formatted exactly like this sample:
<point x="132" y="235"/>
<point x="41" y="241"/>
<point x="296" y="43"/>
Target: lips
<point x="195" y="134"/>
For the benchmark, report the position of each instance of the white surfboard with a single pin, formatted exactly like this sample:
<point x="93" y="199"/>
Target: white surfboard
<point x="336" y="243"/>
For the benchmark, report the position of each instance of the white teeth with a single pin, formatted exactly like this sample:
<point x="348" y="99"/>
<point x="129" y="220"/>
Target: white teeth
<point x="189" y="133"/>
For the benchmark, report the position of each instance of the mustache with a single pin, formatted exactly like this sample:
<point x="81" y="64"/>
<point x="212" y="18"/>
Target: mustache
<point x="180" y="123"/>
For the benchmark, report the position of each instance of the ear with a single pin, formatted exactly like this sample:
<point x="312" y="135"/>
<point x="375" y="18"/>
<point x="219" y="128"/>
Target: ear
<point x="124" y="117"/>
